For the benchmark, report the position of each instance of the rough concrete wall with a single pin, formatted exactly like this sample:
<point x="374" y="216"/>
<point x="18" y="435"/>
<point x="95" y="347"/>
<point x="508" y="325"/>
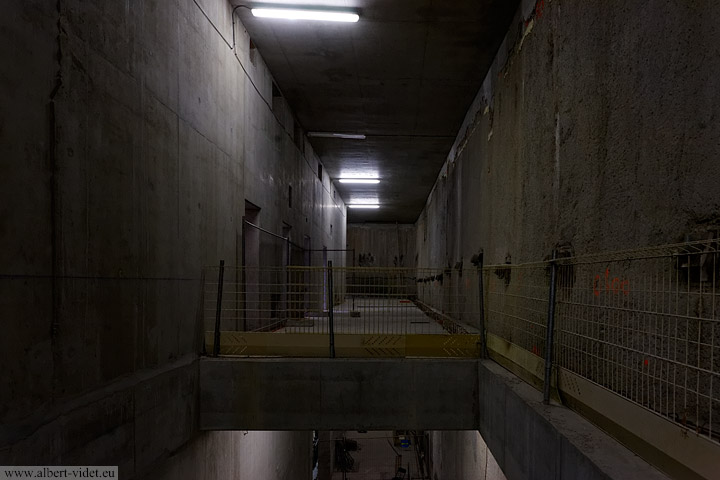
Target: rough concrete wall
<point x="595" y="128"/>
<point x="381" y="245"/>
<point x="461" y="454"/>
<point x="125" y="146"/>
<point x="264" y="455"/>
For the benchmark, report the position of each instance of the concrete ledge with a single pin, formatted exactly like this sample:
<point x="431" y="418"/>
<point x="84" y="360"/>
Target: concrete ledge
<point x="530" y="440"/>
<point x="338" y="394"/>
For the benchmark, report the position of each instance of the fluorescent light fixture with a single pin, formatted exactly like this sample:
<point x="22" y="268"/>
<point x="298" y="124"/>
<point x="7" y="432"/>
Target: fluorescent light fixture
<point x="306" y="14"/>
<point x="359" y="180"/>
<point x="346" y="136"/>
<point x="364" y="205"/>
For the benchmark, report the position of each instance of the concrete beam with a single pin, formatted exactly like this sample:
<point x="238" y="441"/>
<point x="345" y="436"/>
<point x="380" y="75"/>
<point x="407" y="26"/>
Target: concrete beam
<point x="529" y="440"/>
<point x="338" y="394"/>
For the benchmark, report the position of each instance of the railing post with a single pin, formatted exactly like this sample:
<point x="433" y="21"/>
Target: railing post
<point x="286" y="287"/>
<point x="218" y="309"/>
<point x="481" y="293"/>
<point x="550" y="329"/>
<point x="243" y="275"/>
<point x="330" y="308"/>
<point x="353" y="280"/>
<point x="201" y="316"/>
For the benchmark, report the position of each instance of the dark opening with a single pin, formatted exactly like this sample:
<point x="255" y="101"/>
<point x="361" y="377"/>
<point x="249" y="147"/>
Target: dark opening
<point x="252" y="51"/>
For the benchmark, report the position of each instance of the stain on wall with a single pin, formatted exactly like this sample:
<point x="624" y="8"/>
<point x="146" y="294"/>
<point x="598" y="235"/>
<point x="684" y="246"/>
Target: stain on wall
<point x="382" y="245"/>
<point x="595" y="128"/>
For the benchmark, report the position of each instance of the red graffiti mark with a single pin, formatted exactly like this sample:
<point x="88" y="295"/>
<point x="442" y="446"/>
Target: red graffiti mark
<point x="616" y="285"/>
<point x="646" y="362"/>
<point x="536" y="13"/>
<point x="536" y="350"/>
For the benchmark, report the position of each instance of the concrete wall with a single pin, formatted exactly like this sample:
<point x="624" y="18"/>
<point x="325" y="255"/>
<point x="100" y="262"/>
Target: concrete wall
<point x="243" y="456"/>
<point x="131" y="136"/>
<point x="338" y="394"/>
<point x="382" y="245"/>
<point x="594" y="129"/>
<point x="461" y="454"/>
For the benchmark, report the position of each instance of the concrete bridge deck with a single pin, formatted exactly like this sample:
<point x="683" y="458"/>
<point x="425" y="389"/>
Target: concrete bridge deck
<point x="528" y="439"/>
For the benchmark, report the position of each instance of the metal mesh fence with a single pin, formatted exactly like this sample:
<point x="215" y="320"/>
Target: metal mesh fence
<point x="517" y="304"/>
<point x="361" y="300"/>
<point x="643" y="324"/>
<point x="647" y="328"/>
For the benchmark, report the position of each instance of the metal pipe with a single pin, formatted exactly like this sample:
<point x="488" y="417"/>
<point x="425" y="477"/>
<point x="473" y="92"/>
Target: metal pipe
<point x="287" y="239"/>
<point x="218" y="310"/>
<point x="550" y="329"/>
<point x="330" y="309"/>
<point x="233" y="23"/>
<point x="329" y="250"/>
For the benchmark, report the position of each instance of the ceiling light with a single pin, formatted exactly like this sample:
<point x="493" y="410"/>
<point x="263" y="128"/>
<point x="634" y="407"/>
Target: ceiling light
<point x="347" y="136"/>
<point x="359" y="180"/>
<point x="306" y="14"/>
<point x="364" y="205"/>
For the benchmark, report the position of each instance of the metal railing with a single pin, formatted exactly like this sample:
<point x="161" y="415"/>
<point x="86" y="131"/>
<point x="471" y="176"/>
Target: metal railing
<point x="642" y="324"/>
<point x="360" y="300"/>
<point x="611" y="333"/>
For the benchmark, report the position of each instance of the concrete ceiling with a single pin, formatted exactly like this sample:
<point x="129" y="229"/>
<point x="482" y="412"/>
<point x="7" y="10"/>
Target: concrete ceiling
<point x="404" y="75"/>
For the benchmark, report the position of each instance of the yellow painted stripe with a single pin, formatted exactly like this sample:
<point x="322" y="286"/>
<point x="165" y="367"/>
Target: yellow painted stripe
<point x="346" y="345"/>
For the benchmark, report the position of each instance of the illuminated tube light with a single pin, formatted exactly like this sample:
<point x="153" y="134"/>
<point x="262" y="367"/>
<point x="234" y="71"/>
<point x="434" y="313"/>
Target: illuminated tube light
<point x="364" y="205"/>
<point x="305" y="14"/>
<point x="359" y="180"/>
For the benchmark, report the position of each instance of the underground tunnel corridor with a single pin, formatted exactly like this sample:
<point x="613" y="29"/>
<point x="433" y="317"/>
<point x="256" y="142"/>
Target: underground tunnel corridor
<point x="226" y="224"/>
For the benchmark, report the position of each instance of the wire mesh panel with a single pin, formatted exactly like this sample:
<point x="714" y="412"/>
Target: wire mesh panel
<point x="517" y="304"/>
<point x="450" y="297"/>
<point x="266" y="299"/>
<point x="292" y="299"/>
<point x="645" y="326"/>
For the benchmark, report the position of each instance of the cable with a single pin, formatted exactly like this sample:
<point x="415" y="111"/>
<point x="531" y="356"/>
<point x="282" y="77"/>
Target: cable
<point x="233" y="21"/>
<point x="247" y="74"/>
<point x="12" y="276"/>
